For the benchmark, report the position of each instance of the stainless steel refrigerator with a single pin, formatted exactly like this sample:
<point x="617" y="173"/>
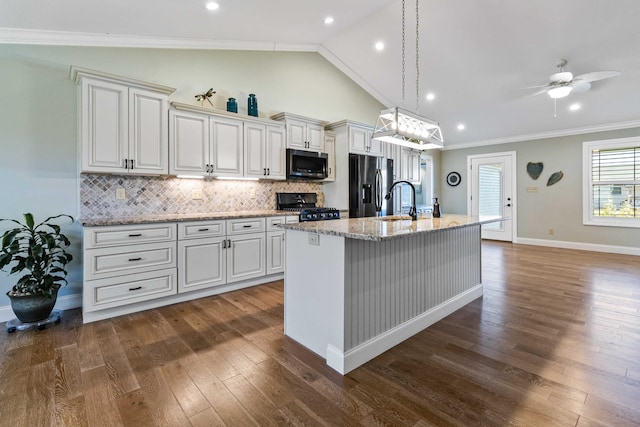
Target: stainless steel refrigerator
<point x="369" y="181"/>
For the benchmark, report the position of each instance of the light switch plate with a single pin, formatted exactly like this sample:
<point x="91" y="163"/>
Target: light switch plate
<point x="532" y="189"/>
<point x="120" y="194"/>
<point x="314" y="239"/>
<point x="196" y="194"/>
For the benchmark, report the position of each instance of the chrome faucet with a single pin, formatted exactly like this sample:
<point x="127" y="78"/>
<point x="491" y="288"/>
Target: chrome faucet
<point x="413" y="211"/>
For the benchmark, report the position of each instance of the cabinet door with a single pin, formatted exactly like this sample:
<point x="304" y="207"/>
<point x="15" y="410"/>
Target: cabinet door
<point x="330" y="149"/>
<point x="105" y="128"/>
<point x="201" y="263"/>
<point x="275" y="252"/>
<point x="375" y="146"/>
<point x="246" y="257"/>
<point x="296" y="134"/>
<point x="227" y="146"/>
<point x="275" y="153"/>
<point x="255" y="163"/>
<point x="188" y="143"/>
<point x="414" y="162"/>
<point x="315" y="137"/>
<point x="148" y="132"/>
<point x="358" y="140"/>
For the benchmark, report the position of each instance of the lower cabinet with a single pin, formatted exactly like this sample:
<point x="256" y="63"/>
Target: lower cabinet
<point x="135" y="267"/>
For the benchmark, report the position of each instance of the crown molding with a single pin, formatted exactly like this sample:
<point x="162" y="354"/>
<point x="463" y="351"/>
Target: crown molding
<point x="67" y="38"/>
<point x="545" y="135"/>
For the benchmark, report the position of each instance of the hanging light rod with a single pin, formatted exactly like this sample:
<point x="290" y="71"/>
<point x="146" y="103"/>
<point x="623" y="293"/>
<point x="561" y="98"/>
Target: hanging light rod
<point x="398" y="126"/>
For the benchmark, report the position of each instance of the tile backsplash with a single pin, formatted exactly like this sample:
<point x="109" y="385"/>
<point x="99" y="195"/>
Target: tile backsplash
<point x="146" y="195"/>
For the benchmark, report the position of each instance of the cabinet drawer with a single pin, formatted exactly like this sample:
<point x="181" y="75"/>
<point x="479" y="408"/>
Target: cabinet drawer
<point x="245" y="225"/>
<point x="199" y="229"/>
<point x="98" y="237"/>
<point x="274" y="221"/>
<point x="118" y="291"/>
<point x="122" y="260"/>
<point x="292" y="219"/>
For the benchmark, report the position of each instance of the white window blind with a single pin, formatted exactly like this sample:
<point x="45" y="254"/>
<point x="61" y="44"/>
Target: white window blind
<point x="613" y="182"/>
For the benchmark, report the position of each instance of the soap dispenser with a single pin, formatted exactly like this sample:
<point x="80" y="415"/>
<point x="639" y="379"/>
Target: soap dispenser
<point x="436" y="209"/>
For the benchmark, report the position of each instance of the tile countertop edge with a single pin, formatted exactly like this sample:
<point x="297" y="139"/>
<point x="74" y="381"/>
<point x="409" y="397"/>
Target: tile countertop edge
<point x="153" y="219"/>
<point x="374" y="229"/>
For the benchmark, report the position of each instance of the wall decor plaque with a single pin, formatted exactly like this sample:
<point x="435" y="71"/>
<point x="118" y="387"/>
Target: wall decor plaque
<point x="534" y="169"/>
<point x="555" y="177"/>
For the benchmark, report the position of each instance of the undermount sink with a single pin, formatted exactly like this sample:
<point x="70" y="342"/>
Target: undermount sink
<point x="393" y="218"/>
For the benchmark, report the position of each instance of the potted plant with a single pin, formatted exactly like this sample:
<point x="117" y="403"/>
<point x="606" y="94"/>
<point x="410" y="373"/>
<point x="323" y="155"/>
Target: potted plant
<point x="38" y="253"/>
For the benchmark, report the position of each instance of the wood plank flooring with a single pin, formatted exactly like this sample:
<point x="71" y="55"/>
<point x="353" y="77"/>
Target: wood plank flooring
<point x="554" y="341"/>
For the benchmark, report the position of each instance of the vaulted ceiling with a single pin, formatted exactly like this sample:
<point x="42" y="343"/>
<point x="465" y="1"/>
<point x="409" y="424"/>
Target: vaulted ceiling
<point x="478" y="58"/>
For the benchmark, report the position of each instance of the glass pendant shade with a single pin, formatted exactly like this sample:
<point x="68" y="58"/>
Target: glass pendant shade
<point x="559" y="92"/>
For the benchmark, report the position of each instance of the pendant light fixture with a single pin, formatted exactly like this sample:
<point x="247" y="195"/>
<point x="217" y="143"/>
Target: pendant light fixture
<point x="401" y="127"/>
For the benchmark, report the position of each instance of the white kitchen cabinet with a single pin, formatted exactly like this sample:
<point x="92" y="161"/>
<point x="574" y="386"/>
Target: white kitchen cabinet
<point x="202" y="145"/>
<point x="202" y="263"/>
<point x="411" y="165"/>
<point x="303" y="133"/>
<point x="123" y="124"/>
<point x="360" y="141"/>
<point x="330" y="149"/>
<point x="264" y="151"/>
<point x="276" y="243"/>
<point x="128" y="264"/>
<point x="246" y="256"/>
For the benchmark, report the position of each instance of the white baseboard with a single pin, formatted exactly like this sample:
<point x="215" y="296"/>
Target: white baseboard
<point x="625" y="250"/>
<point x="345" y="362"/>
<point x="65" y="302"/>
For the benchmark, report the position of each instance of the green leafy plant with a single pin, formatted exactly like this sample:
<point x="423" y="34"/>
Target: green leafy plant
<point x="39" y="252"/>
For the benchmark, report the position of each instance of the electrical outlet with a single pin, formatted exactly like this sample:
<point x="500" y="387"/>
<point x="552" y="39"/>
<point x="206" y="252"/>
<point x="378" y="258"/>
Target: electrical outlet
<point x="252" y="194"/>
<point x="532" y="189"/>
<point x="196" y="194"/>
<point x="120" y="194"/>
<point x="314" y="239"/>
<point x="551" y="231"/>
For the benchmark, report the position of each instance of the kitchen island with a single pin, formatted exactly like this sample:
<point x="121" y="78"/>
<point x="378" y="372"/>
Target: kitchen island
<point x="356" y="287"/>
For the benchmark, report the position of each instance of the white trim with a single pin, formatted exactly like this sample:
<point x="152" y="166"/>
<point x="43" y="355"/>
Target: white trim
<point x="68" y="38"/>
<point x="544" y="135"/>
<point x="593" y="247"/>
<point x="346" y="362"/>
<point x="340" y="65"/>
<point x="514" y="186"/>
<point x="587" y="183"/>
<point x="65" y="302"/>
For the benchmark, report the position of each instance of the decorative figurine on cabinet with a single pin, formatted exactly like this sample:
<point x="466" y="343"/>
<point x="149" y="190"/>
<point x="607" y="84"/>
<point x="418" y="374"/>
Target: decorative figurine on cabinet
<point x="205" y="96"/>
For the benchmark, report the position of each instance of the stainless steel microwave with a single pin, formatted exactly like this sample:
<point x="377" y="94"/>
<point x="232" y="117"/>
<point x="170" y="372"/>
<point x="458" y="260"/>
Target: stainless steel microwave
<point x="303" y="164"/>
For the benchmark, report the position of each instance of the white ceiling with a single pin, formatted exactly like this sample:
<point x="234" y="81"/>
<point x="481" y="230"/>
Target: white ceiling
<point x="475" y="56"/>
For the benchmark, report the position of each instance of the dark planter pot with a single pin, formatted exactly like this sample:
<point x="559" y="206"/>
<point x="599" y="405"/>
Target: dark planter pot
<point x="31" y="308"/>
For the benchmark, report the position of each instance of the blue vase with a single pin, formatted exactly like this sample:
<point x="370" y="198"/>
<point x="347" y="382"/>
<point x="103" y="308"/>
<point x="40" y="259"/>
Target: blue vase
<point x="252" y="107"/>
<point x="232" y="105"/>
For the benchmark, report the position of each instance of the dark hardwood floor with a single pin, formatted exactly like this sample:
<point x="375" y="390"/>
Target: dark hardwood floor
<point x="554" y="341"/>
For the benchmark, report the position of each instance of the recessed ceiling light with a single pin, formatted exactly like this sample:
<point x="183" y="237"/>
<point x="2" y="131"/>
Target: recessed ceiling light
<point x="328" y="20"/>
<point x="431" y="96"/>
<point x="575" y="107"/>
<point x="461" y="126"/>
<point x="213" y="5"/>
<point x="379" y="46"/>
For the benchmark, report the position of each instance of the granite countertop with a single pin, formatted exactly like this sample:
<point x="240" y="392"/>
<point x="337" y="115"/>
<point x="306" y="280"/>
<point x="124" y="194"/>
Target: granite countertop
<point x="150" y="219"/>
<point x="377" y="229"/>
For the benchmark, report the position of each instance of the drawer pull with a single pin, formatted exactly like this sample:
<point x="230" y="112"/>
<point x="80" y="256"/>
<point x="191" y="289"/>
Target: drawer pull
<point x="247" y="226"/>
<point x="203" y="229"/>
<point x="137" y="288"/>
<point x="135" y="259"/>
<point x="135" y="235"/>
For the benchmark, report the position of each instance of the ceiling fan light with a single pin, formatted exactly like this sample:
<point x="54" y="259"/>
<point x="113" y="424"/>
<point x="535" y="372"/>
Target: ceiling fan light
<point x="559" y="92"/>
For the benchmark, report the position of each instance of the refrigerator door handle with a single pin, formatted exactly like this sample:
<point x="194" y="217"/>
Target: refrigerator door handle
<point x="378" y="190"/>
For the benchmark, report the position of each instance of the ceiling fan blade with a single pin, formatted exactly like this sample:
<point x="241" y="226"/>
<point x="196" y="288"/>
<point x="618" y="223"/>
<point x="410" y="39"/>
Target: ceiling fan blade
<point x="580" y="87"/>
<point x="545" y="89"/>
<point x="595" y="76"/>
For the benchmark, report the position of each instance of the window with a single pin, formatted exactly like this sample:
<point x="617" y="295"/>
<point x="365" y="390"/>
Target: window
<point x="612" y="182"/>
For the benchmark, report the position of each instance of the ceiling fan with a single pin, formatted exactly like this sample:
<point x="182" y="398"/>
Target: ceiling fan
<point x="562" y="83"/>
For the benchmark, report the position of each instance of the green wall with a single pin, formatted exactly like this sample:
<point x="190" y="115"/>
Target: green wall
<point x="559" y="206"/>
<point x="38" y="124"/>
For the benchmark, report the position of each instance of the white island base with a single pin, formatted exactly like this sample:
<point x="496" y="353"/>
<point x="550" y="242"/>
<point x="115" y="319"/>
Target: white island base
<point x="351" y="299"/>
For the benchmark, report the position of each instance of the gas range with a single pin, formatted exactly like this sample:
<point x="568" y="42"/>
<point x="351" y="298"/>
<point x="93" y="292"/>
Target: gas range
<point x="305" y="205"/>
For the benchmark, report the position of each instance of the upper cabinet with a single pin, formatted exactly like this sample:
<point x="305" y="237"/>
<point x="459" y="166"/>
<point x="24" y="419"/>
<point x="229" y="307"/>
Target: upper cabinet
<point x="303" y="133"/>
<point x="123" y="124"/>
<point x="330" y="149"/>
<point x="220" y="144"/>
<point x="411" y="165"/>
<point x="360" y="141"/>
